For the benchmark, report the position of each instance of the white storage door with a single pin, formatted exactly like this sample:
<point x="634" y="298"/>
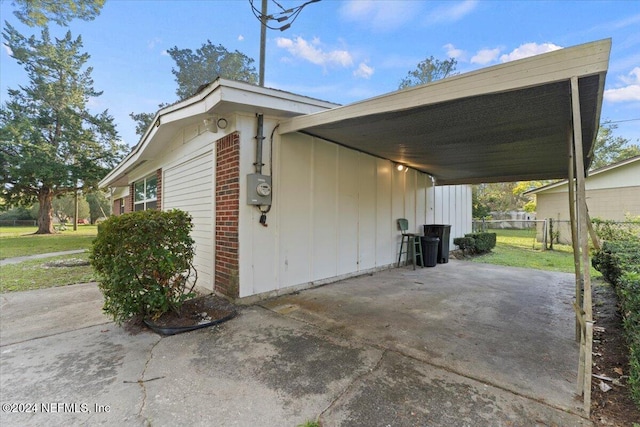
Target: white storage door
<point x="189" y="187"/>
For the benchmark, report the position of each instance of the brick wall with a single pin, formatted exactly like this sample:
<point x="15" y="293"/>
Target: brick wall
<point x="227" y="205"/>
<point x="159" y="189"/>
<point x="128" y="207"/>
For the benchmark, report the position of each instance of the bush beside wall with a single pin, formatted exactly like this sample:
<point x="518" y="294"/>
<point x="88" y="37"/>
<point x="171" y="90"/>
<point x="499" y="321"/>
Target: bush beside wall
<point x="476" y="243"/>
<point x="144" y="263"/>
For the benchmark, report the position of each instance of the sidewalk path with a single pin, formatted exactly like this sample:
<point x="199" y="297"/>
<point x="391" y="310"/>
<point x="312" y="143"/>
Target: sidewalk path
<point x="19" y="259"/>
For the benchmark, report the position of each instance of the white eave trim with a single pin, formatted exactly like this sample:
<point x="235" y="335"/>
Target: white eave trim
<point x="220" y="90"/>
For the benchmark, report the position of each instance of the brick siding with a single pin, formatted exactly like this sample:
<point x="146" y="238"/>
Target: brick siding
<point x="159" y="190"/>
<point x="227" y="206"/>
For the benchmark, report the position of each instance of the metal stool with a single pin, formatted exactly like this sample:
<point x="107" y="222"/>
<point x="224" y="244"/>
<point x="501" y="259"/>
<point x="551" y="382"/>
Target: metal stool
<point x="413" y="244"/>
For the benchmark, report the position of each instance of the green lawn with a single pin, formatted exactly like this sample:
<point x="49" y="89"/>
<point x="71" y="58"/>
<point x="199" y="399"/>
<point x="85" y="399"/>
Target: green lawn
<point x="20" y="241"/>
<point x="518" y="248"/>
<point x="46" y="273"/>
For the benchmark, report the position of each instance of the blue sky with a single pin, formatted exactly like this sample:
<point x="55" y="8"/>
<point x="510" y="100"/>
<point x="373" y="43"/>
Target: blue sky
<point x="341" y="51"/>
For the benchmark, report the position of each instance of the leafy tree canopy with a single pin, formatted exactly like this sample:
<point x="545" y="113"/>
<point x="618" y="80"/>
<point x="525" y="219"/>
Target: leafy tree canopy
<point x="50" y="143"/>
<point x="609" y="148"/>
<point x="429" y="70"/>
<point x="207" y="63"/>
<point x="195" y="69"/>
<point x="38" y="13"/>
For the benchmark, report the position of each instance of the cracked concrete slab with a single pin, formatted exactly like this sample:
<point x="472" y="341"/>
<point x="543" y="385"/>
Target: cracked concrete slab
<point x="259" y="369"/>
<point x="38" y="313"/>
<point x="404" y="392"/>
<point x="509" y="327"/>
<point x="93" y="371"/>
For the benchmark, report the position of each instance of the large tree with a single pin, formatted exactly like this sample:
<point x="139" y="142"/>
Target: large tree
<point x="195" y="69"/>
<point x="429" y="70"/>
<point x="609" y="148"/>
<point x="50" y="143"/>
<point x="40" y="12"/>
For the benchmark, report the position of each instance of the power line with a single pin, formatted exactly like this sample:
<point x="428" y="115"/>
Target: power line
<point x="622" y="121"/>
<point x="286" y="14"/>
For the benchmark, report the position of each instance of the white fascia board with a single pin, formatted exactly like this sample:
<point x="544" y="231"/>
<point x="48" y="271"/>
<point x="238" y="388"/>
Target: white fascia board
<point x="583" y="60"/>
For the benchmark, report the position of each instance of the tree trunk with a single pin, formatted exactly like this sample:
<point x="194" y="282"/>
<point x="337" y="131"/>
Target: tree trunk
<point x="45" y="212"/>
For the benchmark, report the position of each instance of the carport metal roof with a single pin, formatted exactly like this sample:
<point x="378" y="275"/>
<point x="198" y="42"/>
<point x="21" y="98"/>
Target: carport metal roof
<point x="503" y="123"/>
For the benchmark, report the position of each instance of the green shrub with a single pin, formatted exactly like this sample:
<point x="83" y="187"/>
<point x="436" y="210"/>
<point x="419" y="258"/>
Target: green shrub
<point x="619" y="263"/>
<point x="608" y="230"/>
<point x="144" y="263"/>
<point x="466" y="244"/>
<point x="615" y="257"/>
<point x="628" y="289"/>
<point x="483" y="242"/>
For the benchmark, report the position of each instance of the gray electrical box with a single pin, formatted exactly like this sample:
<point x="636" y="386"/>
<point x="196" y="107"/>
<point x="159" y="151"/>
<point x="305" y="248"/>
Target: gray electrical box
<point x="258" y="189"/>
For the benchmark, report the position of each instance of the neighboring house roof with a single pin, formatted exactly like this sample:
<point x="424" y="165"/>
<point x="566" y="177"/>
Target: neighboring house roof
<point x="503" y="123"/>
<point x="603" y="170"/>
<point x="220" y="97"/>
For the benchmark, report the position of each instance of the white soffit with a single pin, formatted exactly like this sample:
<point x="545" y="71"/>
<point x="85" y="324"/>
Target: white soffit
<point x="503" y="123"/>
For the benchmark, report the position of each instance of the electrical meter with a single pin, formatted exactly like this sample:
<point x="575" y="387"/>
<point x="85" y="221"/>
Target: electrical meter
<point x="258" y="189"/>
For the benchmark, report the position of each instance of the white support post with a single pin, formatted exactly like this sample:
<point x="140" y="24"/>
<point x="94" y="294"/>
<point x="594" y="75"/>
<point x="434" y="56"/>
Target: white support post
<point x="574" y="235"/>
<point x="581" y="205"/>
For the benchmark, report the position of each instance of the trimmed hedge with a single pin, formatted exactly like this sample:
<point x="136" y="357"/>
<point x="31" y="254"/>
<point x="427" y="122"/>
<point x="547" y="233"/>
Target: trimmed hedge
<point x="616" y="257"/>
<point x="476" y="243"/>
<point x="144" y="263"/>
<point x="619" y="263"/>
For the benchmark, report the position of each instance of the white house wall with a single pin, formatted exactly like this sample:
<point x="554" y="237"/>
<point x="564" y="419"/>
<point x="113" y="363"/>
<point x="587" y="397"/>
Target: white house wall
<point x="334" y="211"/>
<point x="451" y="204"/>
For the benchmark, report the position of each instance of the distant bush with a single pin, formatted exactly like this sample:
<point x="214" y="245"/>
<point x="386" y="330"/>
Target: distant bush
<point x="144" y="263"/>
<point x="476" y="243"/>
<point x="619" y="263"/>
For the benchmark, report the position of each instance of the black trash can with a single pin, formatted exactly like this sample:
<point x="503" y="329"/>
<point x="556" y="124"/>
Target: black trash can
<point x="429" y="250"/>
<point x="441" y="231"/>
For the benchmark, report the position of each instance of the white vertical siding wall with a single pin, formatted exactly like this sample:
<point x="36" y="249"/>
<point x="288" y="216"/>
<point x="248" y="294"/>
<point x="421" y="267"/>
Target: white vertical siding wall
<point x="334" y="212"/>
<point x="450" y="204"/>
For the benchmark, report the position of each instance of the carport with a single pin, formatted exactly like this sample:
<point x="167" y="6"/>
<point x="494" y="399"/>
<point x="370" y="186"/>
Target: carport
<point x="535" y="118"/>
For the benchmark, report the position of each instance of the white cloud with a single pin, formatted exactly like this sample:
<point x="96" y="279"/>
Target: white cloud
<point x="451" y="12"/>
<point x="631" y="92"/>
<point x="363" y="71"/>
<point x="623" y="94"/>
<point x="7" y="49"/>
<point x="313" y="52"/>
<point x="164" y="53"/>
<point x="485" y="56"/>
<point x="529" y="49"/>
<point x="453" y="52"/>
<point x="240" y="38"/>
<point x="380" y="15"/>
<point x="632" y="77"/>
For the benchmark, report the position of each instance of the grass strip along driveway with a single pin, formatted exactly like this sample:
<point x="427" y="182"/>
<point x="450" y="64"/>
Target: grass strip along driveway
<point x="49" y="272"/>
<point x="518" y="248"/>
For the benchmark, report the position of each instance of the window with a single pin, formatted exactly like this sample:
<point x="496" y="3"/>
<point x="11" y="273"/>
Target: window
<point x="122" y="203"/>
<point x="145" y="193"/>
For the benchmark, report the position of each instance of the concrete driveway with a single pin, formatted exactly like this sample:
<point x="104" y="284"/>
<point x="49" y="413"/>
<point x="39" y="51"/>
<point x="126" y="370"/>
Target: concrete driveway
<point x="460" y="344"/>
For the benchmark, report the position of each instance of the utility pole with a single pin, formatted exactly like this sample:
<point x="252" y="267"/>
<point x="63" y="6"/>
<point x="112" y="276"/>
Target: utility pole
<point x="263" y="40"/>
<point x="280" y="17"/>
